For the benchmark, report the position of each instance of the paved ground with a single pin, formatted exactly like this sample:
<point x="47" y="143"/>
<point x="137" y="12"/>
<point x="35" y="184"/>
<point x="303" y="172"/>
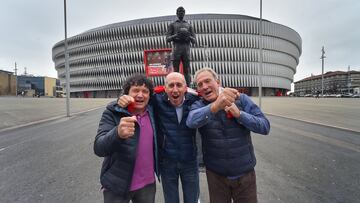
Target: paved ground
<point x="302" y="162"/>
<point x="340" y="112"/>
<point x="298" y="162"/>
<point x="21" y="110"/>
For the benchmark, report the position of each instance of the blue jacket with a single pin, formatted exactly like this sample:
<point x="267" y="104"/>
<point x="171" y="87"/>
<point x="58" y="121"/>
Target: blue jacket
<point x="226" y="143"/>
<point x="119" y="154"/>
<point x="176" y="141"/>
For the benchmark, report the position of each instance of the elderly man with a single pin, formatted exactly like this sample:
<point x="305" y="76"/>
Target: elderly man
<point x="126" y="138"/>
<point x="225" y="118"/>
<point x="178" y="153"/>
<point x="181" y="34"/>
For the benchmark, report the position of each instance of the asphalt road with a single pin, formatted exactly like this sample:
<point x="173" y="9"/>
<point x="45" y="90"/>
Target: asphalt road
<point x="16" y="111"/>
<point x="301" y="162"/>
<point x="297" y="162"/>
<point x="339" y="112"/>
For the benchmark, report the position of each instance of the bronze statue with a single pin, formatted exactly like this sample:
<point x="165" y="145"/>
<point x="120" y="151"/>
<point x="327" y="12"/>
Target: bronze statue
<point x="181" y="34"/>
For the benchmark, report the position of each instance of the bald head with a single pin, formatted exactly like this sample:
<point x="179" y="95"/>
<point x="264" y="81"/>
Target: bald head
<point x="174" y="75"/>
<point x="175" y="88"/>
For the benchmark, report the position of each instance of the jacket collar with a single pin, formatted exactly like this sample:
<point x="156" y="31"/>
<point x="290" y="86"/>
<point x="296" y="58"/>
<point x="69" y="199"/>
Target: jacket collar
<point x="205" y="101"/>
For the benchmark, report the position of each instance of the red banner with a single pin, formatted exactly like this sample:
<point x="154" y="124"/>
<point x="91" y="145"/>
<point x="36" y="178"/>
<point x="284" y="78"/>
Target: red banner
<point x="158" y="62"/>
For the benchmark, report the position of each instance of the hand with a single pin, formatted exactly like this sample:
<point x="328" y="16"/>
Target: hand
<point x="126" y="127"/>
<point x="125" y="100"/>
<point x="233" y="110"/>
<point x="159" y="89"/>
<point x="192" y="40"/>
<point x="175" y="37"/>
<point x="225" y="98"/>
<point x="230" y="92"/>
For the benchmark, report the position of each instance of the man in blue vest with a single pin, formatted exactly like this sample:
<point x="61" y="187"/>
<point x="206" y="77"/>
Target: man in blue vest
<point x="177" y="143"/>
<point x="225" y="118"/>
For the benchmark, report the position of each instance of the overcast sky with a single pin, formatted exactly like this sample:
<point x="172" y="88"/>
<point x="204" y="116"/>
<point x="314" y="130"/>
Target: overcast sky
<point x="29" y="28"/>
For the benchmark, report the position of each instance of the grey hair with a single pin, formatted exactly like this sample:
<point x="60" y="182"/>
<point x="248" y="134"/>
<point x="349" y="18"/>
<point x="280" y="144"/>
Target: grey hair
<point x="210" y="70"/>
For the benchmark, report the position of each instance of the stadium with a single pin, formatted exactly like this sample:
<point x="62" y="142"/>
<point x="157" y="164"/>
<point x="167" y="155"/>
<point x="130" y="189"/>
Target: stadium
<point x="100" y="59"/>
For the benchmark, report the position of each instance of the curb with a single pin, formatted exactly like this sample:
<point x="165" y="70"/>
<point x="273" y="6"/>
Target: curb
<point x="312" y="122"/>
<point x="85" y="111"/>
<point x="46" y="120"/>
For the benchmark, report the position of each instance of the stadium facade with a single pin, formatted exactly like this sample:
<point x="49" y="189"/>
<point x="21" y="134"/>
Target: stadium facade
<point x="100" y="59"/>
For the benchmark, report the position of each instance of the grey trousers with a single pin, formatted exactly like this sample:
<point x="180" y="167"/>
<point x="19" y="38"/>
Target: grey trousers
<point x="143" y="195"/>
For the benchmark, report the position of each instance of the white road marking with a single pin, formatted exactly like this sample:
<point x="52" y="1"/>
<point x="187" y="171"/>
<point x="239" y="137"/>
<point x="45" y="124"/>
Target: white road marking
<point x="2" y="149"/>
<point x="314" y="122"/>
<point x="46" y="120"/>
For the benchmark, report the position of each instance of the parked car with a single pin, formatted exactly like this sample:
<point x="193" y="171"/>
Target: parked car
<point x="356" y="96"/>
<point x="348" y="95"/>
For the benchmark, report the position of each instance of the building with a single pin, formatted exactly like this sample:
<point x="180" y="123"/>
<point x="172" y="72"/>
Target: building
<point x="39" y="86"/>
<point x="336" y="82"/>
<point x="7" y="83"/>
<point x="100" y="59"/>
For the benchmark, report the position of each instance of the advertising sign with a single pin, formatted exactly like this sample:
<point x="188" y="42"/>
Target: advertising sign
<point x="158" y="62"/>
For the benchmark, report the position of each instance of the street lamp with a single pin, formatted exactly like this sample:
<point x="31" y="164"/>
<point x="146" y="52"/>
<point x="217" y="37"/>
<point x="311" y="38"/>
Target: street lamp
<point x="16" y="80"/>
<point x="261" y="55"/>
<point x="67" y="66"/>
<point x="206" y="53"/>
<point x="122" y="75"/>
<point x="322" y="70"/>
<point x="349" y="80"/>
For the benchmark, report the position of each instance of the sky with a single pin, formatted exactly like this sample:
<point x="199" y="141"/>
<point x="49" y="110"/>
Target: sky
<point x="29" y="29"/>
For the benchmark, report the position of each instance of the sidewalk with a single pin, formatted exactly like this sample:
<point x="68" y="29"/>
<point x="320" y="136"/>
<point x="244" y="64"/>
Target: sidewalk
<point x="336" y="112"/>
<point x="16" y="111"/>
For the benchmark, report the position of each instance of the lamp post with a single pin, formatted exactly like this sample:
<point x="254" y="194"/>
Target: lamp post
<point x="261" y="55"/>
<point x="122" y="75"/>
<point x="349" y="80"/>
<point x="16" y="80"/>
<point x="67" y="66"/>
<point x="206" y="54"/>
<point x="322" y="70"/>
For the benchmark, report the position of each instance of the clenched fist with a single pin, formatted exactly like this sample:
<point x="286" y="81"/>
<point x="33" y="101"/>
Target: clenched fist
<point x="233" y="110"/>
<point x="226" y="98"/>
<point x="126" y="127"/>
<point x="125" y="100"/>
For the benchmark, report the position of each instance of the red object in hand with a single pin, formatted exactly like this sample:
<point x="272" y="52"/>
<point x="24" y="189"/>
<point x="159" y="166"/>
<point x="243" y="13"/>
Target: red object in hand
<point x="159" y="89"/>
<point x="131" y="107"/>
<point x="229" y="115"/>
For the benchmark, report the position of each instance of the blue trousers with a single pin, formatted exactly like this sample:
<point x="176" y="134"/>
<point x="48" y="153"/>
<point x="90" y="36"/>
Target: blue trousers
<point x="171" y="171"/>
